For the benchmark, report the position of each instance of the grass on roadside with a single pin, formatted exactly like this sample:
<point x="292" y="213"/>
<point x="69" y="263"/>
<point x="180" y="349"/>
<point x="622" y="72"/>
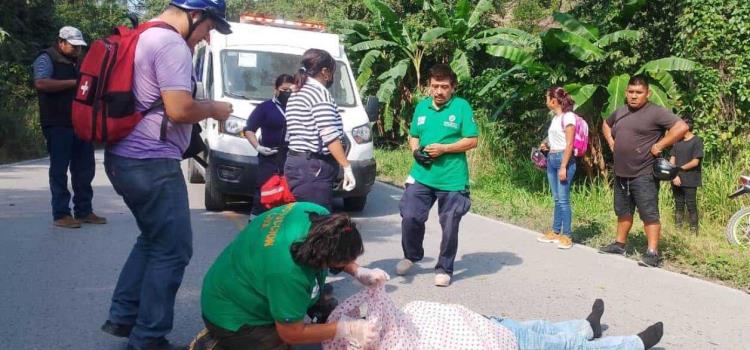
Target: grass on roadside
<point x="516" y="192"/>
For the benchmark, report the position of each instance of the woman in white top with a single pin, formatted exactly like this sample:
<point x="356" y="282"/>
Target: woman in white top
<point x="561" y="165"/>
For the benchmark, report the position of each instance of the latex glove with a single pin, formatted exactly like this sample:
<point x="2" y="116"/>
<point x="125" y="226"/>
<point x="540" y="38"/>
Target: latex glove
<point x="349" y="181"/>
<point x="361" y="332"/>
<point x="266" y="151"/>
<point x="371" y="277"/>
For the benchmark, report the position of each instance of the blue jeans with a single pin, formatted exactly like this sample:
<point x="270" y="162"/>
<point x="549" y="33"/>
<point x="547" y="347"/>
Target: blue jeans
<point x="567" y="335"/>
<point x="563" y="214"/>
<point x="67" y="150"/>
<point x="155" y="192"/>
<point x="415" y="208"/>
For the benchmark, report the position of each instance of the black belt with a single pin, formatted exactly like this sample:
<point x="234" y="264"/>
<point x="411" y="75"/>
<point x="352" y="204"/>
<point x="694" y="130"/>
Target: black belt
<point x="309" y="155"/>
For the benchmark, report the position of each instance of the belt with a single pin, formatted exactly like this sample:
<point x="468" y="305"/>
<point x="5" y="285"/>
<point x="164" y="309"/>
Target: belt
<point x="309" y="155"/>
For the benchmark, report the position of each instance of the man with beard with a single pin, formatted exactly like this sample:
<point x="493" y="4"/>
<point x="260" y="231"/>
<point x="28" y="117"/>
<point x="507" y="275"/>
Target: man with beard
<point x="441" y="132"/>
<point x="55" y="74"/>
<point x="635" y="134"/>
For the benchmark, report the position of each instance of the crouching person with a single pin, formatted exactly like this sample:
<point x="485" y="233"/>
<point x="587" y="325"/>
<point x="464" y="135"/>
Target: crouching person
<point x="257" y="292"/>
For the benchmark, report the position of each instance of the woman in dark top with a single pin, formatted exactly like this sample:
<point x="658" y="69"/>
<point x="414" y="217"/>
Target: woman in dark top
<point x="270" y="118"/>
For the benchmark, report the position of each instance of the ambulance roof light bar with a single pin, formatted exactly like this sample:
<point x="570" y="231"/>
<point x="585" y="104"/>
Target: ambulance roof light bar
<point x="278" y="22"/>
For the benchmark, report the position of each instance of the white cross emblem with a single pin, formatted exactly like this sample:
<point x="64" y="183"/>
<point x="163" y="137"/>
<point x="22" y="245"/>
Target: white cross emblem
<point x="85" y="88"/>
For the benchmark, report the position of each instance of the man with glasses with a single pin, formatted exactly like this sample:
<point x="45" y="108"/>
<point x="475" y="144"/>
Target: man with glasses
<point x="55" y="74"/>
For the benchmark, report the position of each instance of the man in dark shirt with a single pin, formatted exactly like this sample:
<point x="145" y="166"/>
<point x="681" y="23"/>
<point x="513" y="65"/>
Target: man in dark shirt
<point x="687" y="154"/>
<point x="635" y="133"/>
<point x="55" y="74"/>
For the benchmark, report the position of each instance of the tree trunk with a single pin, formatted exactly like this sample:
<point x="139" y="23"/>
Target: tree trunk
<point x="593" y="163"/>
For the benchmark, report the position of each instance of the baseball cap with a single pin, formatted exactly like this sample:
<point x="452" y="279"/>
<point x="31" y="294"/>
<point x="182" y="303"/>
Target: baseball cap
<point x="72" y="35"/>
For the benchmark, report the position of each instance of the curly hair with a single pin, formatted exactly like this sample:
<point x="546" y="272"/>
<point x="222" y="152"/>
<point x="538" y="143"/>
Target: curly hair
<point x="332" y="239"/>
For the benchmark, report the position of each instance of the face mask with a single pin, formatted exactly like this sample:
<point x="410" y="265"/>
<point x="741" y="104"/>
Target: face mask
<point x="283" y="97"/>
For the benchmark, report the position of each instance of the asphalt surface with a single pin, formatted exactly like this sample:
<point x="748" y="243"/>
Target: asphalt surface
<point x="56" y="283"/>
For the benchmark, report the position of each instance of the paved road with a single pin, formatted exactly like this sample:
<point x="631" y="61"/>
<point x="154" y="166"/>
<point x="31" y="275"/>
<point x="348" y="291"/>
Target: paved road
<point x="56" y="283"/>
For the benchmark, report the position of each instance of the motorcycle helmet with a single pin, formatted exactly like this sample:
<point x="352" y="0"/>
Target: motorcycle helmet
<point x="664" y="170"/>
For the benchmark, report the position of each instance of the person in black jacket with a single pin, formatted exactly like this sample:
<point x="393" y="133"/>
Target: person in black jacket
<point x="55" y="74"/>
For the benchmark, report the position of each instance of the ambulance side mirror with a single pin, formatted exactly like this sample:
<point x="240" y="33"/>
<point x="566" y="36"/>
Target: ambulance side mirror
<point x="372" y="108"/>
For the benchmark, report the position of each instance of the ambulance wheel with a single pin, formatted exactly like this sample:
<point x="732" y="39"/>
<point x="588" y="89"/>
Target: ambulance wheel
<point x="355" y="203"/>
<point x="213" y="199"/>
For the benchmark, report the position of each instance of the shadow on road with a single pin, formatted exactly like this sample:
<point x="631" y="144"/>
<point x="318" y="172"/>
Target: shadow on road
<point x="485" y="263"/>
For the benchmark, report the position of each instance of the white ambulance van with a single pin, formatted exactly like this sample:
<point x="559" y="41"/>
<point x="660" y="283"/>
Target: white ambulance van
<point x="241" y="68"/>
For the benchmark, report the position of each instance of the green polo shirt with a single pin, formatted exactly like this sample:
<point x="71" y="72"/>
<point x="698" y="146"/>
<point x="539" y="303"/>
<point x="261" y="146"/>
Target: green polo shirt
<point x="452" y="122"/>
<point x="255" y="281"/>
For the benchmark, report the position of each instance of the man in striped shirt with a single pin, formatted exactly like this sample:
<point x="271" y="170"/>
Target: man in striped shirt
<point x="315" y="130"/>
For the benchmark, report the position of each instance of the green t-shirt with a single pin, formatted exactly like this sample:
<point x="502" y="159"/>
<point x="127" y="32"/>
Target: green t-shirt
<point x="255" y="281"/>
<point x="454" y="121"/>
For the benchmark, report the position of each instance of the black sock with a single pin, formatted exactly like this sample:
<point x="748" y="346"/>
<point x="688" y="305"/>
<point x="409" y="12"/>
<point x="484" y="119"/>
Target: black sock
<point x="595" y="317"/>
<point x="651" y="335"/>
<point x="619" y="244"/>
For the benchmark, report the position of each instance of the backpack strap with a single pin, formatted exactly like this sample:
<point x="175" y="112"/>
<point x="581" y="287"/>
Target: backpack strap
<point x="159" y="101"/>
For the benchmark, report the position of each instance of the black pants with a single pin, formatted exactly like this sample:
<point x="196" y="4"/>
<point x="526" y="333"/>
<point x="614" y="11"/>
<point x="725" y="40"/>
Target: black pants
<point x="685" y="197"/>
<point x="247" y="337"/>
<point x="267" y="166"/>
<point x="311" y="177"/>
<point x="415" y="208"/>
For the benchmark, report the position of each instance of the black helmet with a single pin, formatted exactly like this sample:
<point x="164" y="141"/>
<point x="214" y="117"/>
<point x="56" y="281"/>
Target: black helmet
<point x="664" y="170"/>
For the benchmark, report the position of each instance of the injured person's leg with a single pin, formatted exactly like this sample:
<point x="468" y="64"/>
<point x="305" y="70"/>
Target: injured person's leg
<point x="578" y="334"/>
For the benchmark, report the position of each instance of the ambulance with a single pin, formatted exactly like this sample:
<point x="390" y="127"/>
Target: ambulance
<point x="241" y="68"/>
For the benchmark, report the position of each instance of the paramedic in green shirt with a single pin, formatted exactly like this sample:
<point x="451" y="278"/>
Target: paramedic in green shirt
<point x="257" y="292"/>
<point x="441" y="132"/>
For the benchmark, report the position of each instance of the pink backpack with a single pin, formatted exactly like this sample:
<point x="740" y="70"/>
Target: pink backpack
<point x="580" y="136"/>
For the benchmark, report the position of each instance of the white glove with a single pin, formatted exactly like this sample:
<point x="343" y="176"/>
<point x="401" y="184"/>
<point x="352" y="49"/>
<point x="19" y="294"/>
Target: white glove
<point x="371" y="277"/>
<point x="349" y="181"/>
<point x="266" y="151"/>
<point x="360" y="332"/>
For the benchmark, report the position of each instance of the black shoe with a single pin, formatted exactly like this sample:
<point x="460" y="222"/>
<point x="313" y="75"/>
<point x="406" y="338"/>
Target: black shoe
<point x="118" y="330"/>
<point x="613" y="248"/>
<point x="650" y="259"/>
<point x="165" y="345"/>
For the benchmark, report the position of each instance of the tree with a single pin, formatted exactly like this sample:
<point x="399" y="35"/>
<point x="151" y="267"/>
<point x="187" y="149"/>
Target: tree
<point x="592" y="67"/>
<point x="392" y="52"/>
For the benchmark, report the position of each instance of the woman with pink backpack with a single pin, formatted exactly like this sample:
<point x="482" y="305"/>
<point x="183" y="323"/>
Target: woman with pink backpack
<point x="567" y="138"/>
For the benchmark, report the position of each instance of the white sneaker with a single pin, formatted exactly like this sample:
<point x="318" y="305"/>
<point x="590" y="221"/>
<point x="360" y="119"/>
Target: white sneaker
<point x="442" y="279"/>
<point x="403" y="266"/>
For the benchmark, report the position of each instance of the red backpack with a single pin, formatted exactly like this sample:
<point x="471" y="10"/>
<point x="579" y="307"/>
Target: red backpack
<point x="104" y="105"/>
<point x="275" y="192"/>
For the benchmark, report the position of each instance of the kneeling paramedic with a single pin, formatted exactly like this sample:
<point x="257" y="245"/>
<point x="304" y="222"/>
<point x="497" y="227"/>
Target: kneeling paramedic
<point x="257" y="292"/>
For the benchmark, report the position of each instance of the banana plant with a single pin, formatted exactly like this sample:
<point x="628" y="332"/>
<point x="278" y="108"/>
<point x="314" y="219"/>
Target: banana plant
<point x="586" y="46"/>
<point x="460" y="25"/>
<point x="392" y="53"/>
